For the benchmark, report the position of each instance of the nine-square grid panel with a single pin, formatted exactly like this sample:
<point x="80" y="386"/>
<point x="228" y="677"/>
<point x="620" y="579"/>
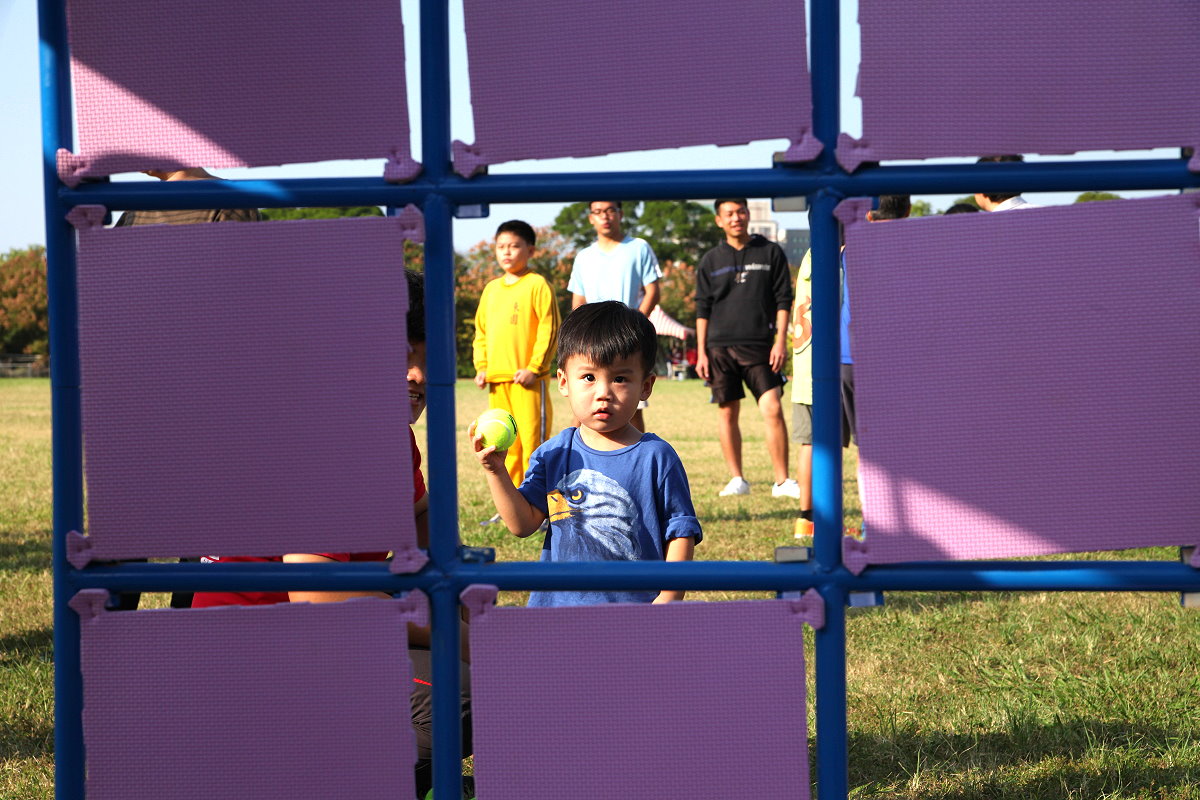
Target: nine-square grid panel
<point x="741" y="136"/>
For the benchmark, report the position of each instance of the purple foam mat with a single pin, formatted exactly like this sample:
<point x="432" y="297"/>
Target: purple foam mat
<point x="1025" y="76"/>
<point x="585" y="79"/>
<point x="687" y="700"/>
<point x="244" y="388"/>
<point x="1025" y="379"/>
<point x="287" y="701"/>
<point x="236" y="84"/>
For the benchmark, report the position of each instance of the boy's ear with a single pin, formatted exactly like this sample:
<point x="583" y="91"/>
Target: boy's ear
<point x="562" y="383"/>
<point x="648" y="386"/>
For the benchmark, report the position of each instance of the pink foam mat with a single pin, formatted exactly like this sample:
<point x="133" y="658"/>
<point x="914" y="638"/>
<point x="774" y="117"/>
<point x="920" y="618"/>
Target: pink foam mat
<point x="236" y="84"/>
<point x="580" y="79"/>
<point x="286" y="701"/>
<point x="1024" y="379"/>
<point x="244" y="389"/>
<point x="1025" y="77"/>
<point x="640" y="702"/>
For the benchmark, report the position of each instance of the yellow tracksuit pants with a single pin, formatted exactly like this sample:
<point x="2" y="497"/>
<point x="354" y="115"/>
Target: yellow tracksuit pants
<point x="532" y="411"/>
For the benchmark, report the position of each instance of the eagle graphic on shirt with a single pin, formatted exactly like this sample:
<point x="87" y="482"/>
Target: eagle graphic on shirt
<point x="593" y="519"/>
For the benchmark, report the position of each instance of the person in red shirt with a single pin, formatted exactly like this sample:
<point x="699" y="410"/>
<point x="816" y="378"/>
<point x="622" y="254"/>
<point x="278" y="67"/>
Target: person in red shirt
<point x="418" y="637"/>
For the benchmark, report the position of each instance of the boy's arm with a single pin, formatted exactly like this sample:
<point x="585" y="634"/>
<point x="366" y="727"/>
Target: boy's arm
<point x="650" y="295"/>
<point x="649" y="274"/>
<point x="577" y="300"/>
<point x="322" y="597"/>
<point x="546" y="309"/>
<point x="779" y="347"/>
<point x="679" y="549"/>
<point x="519" y="515"/>
<point x="479" y="345"/>
<point x="417" y="634"/>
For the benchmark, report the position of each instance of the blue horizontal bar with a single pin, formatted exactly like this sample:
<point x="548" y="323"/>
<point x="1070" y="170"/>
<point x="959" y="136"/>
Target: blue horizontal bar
<point x="1139" y="576"/>
<point x="566" y="187"/>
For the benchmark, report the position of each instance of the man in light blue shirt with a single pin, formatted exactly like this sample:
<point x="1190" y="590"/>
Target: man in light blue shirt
<point x="617" y="267"/>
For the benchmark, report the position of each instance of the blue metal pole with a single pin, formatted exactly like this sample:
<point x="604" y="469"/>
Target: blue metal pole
<point x="439" y="298"/>
<point x="963" y="576"/>
<point x="66" y="436"/>
<point x="832" y="748"/>
<point x="782" y="181"/>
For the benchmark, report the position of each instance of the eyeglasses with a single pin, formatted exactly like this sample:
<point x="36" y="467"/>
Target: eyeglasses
<point x="604" y="212"/>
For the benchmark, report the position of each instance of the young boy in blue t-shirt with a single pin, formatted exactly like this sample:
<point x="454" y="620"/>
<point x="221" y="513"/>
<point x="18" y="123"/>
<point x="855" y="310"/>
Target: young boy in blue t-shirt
<point x="610" y="492"/>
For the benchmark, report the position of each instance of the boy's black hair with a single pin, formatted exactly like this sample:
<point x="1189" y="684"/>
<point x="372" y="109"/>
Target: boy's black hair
<point x="962" y="208"/>
<point x="604" y="332"/>
<point x="620" y="204"/>
<point x="720" y="201"/>
<point x="518" y="227"/>
<point x="892" y="206"/>
<point x="1006" y="159"/>
<point x="416" y="305"/>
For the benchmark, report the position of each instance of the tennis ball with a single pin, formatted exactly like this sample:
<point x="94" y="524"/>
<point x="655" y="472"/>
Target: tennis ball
<point x="496" y="428"/>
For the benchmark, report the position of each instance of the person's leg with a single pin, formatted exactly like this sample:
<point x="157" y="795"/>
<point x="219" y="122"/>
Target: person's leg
<point x="506" y="396"/>
<point x="849" y="420"/>
<point x="802" y="436"/>
<point x="777" y="444"/>
<point x="422" y="715"/>
<point x="725" y="375"/>
<point x="730" y="435"/>
<point x="767" y="387"/>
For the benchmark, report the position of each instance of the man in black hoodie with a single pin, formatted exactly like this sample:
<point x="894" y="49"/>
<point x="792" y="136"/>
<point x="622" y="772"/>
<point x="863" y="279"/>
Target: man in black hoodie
<point x="743" y="300"/>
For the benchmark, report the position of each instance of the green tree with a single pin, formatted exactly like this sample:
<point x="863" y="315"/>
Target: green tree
<point x="678" y="230"/>
<point x="1091" y="197"/>
<point x="321" y="213"/>
<point x="24" y="322"/>
<point x="921" y="208"/>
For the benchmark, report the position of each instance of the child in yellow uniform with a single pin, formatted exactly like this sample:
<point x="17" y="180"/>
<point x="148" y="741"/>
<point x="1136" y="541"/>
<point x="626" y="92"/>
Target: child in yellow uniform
<point x="516" y="332"/>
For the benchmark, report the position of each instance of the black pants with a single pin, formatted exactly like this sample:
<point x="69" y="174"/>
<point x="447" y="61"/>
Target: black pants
<point x="129" y="601"/>
<point x="422" y="715"/>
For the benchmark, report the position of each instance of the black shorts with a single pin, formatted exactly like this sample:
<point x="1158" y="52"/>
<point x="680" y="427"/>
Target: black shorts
<point x="729" y="367"/>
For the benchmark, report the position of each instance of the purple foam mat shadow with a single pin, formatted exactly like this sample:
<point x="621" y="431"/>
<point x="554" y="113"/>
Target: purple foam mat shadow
<point x="244" y="388"/>
<point x="640" y="702"/>
<point x="1025" y="77"/>
<point x="628" y="75"/>
<point x="287" y="701"/>
<point x="241" y="84"/>
<point x="1025" y="379"/>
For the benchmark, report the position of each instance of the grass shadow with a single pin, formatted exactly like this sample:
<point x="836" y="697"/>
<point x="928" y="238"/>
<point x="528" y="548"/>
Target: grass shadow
<point x="1077" y="758"/>
<point x="20" y="553"/>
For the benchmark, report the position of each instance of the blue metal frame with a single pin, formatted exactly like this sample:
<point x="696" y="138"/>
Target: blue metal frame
<point x="439" y="191"/>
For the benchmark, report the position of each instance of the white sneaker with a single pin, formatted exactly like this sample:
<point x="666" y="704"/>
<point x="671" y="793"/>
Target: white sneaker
<point x="736" y="485"/>
<point x="788" y="488"/>
<point x="492" y="520"/>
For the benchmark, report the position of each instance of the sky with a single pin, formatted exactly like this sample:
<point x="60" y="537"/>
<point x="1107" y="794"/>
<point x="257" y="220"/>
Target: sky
<point x="21" y="217"/>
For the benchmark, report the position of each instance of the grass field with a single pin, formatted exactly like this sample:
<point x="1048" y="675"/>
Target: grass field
<point x="952" y="696"/>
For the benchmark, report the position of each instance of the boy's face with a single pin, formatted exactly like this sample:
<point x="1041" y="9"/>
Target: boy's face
<point x="416" y="379"/>
<point x="604" y="399"/>
<point x="605" y="217"/>
<point x="513" y="253"/>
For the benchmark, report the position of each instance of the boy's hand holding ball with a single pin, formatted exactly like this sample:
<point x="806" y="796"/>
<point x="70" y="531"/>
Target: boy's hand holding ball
<point x="496" y="428"/>
<point x="494" y="432"/>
